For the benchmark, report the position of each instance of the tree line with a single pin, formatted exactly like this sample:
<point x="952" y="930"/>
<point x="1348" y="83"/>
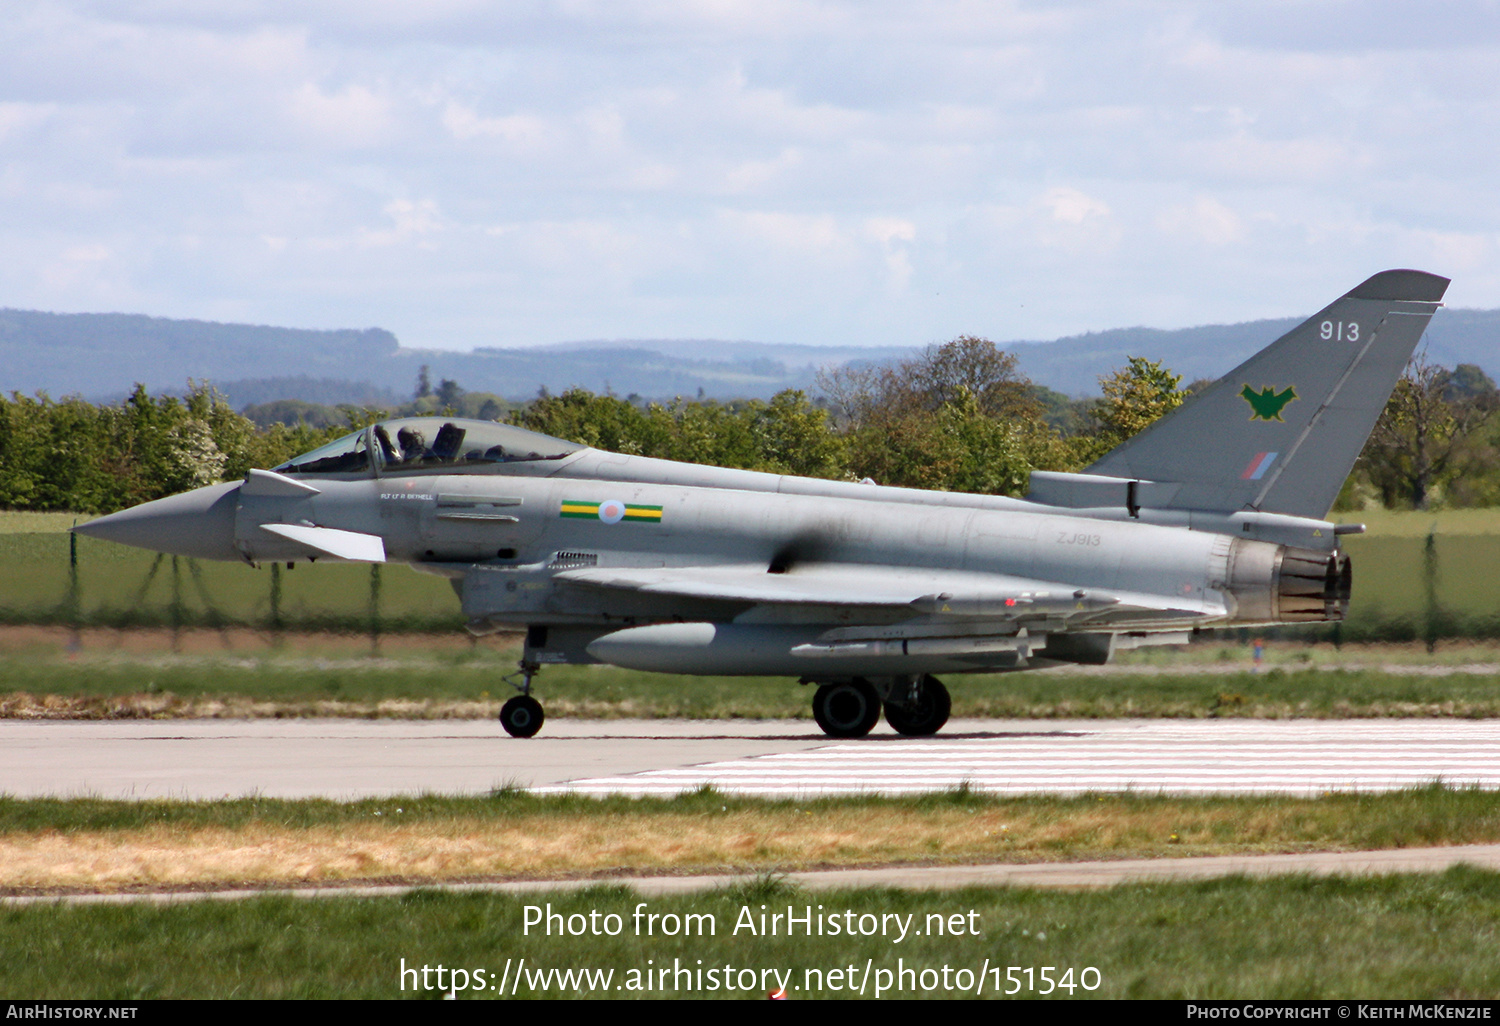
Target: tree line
<point x="957" y="416"/>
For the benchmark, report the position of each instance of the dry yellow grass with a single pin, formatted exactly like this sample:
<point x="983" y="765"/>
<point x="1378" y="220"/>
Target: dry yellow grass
<point x="22" y="705"/>
<point x="571" y="845"/>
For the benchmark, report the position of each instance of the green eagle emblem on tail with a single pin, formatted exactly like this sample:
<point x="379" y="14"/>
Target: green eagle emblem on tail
<point x="1267" y="404"/>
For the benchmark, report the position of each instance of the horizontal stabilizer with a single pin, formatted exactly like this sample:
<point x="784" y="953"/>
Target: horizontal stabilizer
<point x="351" y="546"/>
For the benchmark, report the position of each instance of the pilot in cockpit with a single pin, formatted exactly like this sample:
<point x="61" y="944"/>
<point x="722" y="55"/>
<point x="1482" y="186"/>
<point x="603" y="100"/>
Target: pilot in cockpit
<point x="413" y="444"/>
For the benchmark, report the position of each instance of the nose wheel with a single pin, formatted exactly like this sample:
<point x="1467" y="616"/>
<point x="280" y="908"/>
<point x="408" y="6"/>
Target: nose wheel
<point x="522" y="715"/>
<point x="847" y="708"/>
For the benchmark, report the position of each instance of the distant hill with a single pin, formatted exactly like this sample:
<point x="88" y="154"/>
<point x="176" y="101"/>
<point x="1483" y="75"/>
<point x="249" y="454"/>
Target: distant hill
<point x="324" y="391"/>
<point x="1072" y="365"/>
<point x="98" y="354"/>
<point x="101" y="356"/>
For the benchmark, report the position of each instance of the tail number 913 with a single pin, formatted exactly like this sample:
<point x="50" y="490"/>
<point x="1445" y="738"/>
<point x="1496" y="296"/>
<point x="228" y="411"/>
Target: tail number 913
<point x="1340" y="330"/>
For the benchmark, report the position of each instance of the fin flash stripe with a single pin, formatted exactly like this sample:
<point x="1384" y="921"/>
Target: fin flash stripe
<point x="1258" y="466"/>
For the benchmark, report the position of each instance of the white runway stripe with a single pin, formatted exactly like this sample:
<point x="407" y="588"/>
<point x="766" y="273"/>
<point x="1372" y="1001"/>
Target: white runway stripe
<point x="1201" y="757"/>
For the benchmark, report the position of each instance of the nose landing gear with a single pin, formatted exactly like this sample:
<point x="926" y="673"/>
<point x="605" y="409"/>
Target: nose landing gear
<point x="522" y="716"/>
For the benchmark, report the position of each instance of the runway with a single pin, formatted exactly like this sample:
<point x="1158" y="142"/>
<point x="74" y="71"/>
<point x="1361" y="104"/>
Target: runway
<point x="344" y="759"/>
<point x="1177" y="757"/>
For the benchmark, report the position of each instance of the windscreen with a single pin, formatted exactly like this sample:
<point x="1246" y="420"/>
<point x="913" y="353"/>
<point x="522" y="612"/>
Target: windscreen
<point x="346" y="455"/>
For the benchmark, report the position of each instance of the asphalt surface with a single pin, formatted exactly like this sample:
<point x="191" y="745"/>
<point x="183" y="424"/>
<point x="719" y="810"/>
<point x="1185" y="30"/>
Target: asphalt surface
<point x="200" y="759"/>
<point x="307" y="758"/>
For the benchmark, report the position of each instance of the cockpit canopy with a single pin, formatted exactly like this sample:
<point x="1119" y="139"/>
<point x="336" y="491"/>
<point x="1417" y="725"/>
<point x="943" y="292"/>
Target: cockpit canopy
<point x="416" y="445"/>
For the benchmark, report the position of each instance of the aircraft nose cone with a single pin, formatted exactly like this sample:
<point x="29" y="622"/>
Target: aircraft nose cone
<point x="199" y="523"/>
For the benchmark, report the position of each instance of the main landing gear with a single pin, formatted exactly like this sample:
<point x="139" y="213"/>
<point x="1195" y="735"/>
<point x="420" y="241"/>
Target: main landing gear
<point x="522" y="716"/>
<point x="914" y="706"/>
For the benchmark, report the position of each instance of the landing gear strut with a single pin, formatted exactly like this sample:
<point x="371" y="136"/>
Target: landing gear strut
<point x="920" y="708"/>
<point x="522" y="716"/>
<point x="847" y="709"/>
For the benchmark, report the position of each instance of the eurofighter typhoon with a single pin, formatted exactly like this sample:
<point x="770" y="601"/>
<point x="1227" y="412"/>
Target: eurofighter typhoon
<point x="1213" y="516"/>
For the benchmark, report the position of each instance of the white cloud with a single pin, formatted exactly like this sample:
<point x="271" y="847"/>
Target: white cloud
<point x="1307" y="161"/>
<point x="894" y="235"/>
<point x="1204" y="220"/>
<point x="791" y="235"/>
<point x="17" y="119"/>
<point x="1457" y="252"/>
<point x="81" y="267"/>
<point x="754" y="175"/>
<point x="829" y="171"/>
<point x="523" y="132"/>
<point x="409" y="220"/>
<point x="1073" y="207"/>
<point x="352" y="116"/>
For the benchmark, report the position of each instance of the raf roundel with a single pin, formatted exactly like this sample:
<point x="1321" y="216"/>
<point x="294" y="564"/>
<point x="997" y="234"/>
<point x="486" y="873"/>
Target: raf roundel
<point x="612" y="511"/>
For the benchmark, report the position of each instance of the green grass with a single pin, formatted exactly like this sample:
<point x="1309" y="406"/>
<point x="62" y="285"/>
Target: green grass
<point x="1344" y="821"/>
<point x="1385" y="523"/>
<point x="49" y="847"/>
<point x="123" y="586"/>
<point x="1388" y="574"/>
<point x="21" y="522"/>
<point x="156" y="687"/>
<point x="1398" y="937"/>
<point x="468" y="682"/>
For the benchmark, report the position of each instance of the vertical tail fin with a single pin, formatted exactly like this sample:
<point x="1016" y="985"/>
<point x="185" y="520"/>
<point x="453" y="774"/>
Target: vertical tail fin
<point x="1280" y="432"/>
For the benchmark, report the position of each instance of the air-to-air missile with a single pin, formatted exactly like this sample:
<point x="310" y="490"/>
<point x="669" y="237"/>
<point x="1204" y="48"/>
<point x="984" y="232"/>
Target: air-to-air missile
<point x="1213" y="516"/>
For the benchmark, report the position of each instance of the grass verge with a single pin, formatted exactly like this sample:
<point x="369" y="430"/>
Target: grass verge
<point x="83" y="844"/>
<point x="1399" y="937"/>
<point x="466" y="684"/>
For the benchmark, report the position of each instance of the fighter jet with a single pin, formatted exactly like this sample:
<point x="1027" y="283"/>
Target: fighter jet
<point x="1213" y="516"/>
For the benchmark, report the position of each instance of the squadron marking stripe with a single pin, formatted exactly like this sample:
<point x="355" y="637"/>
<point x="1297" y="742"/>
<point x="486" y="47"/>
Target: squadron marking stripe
<point x="610" y="511"/>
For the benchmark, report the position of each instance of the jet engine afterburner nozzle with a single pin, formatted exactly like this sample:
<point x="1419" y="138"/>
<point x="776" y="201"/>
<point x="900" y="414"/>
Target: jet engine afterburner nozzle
<point x="1288" y="584"/>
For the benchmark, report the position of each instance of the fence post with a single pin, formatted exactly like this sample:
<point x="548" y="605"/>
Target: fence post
<point x="374" y="609"/>
<point x="1430" y="579"/>
<point x="175" y="611"/>
<point x="75" y="596"/>
<point x="277" y="624"/>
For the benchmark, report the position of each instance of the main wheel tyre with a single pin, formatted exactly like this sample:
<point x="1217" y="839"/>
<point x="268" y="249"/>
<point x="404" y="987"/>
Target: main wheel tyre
<point x="522" y="716"/>
<point x="848" y="709"/>
<point x="923" y="716"/>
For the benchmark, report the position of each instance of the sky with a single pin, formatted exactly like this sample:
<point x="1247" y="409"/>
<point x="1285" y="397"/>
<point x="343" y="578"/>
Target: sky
<point x="470" y="173"/>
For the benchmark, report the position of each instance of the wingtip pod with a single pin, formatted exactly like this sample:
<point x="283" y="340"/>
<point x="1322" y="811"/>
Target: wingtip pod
<point x="1399" y="285"/>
